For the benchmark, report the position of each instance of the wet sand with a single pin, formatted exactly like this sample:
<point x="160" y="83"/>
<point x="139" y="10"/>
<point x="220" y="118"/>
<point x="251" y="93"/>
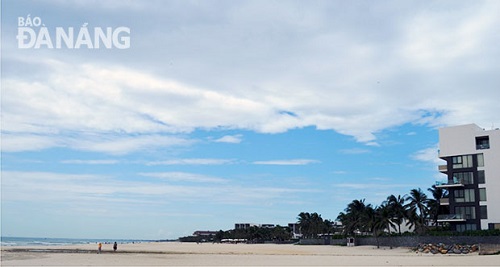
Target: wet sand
<point x="207" y="254"/>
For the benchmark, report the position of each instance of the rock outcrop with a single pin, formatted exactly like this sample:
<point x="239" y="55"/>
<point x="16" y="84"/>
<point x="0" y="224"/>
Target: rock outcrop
<point x="446" y="249"/>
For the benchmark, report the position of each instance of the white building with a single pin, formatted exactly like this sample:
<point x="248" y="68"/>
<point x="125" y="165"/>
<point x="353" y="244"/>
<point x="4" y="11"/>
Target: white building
<point x="472" y="157"/>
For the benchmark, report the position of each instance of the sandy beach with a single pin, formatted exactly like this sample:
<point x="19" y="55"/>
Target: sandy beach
<point x="191" y="254"/>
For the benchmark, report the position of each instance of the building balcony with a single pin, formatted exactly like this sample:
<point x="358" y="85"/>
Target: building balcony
<point x="443" y="168"/>
<point x="444" y="201"/>
<point x="451" y="218"/>
<point x="454" y="183"/>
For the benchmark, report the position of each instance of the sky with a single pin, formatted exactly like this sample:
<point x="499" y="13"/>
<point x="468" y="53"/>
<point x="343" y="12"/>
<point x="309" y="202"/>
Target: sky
<point x="224" y="112"/>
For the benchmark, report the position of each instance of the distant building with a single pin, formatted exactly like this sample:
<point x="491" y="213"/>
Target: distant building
<point x="204" y="233"/>
<point x="472" y="157"/>
<point x="248" y="225"/>
<point x="295" y="229"/>
<point x="244" y="225"/>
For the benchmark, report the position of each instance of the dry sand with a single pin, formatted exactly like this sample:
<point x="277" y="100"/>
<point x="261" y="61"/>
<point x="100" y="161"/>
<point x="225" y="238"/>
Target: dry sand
<point x="191" y="254"/>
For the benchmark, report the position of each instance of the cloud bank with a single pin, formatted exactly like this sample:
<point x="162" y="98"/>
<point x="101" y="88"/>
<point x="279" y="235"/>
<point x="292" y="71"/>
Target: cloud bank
<point x="352" y="69"/>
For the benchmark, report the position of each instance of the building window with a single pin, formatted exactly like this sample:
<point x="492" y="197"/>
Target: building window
<point x="469" y="195"/>
<point x="467" y="212"/>
<point x="482" y="194"/>
<point x="463" y="178"/>
<point x="480" y="160"/>
<point x="459" y="195"/>
<point x="464" y="195"/>
<point x="466" y="227"/>
<point x="493" y="226"/>
<point x="480" y="177"/>
<point x="484" y="212"/>
<point x="462" y="161"/>
<point x="482" y="142"/>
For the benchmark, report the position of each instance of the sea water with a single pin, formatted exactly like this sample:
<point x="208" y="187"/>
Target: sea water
<point x="38" y="241"/>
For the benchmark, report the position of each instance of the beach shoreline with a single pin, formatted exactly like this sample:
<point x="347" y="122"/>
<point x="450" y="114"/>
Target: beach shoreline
<point x="208" y="254"/>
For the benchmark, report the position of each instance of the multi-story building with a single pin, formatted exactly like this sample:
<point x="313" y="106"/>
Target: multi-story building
<point x="472" y="157"/>
<point x="245" y="225"/>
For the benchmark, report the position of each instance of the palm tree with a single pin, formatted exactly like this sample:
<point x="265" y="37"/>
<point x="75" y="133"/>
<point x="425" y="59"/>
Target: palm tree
<point x="383" y="220"/>
<point x="329" y="226"/>
<point x="368" y="219"/>
<point x="280" y="233"/>
<point x="417" y="202"/>
<point x="219" y="235"/>
<point x="357" y="217"/>
<point x="385" y="217"/>
<point x="345" y="220"/>
<point x="350" y="219"/>
<point x="414" y="220"/>
<point x="434" y="203"/>
<point x="319" y="225"/>
<point x="304" y="220"/>
<point x="398" y="209"/>
<point x="311" y="224"/>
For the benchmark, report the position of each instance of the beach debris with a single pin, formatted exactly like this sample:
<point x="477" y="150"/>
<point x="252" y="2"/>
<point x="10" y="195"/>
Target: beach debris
<point x="441" y="248"/>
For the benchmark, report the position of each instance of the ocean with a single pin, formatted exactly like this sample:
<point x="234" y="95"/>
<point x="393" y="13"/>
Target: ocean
<point x="40" y="241"/>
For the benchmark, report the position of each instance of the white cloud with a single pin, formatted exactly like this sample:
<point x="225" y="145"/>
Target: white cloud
<point x="93" y="4"/>
<point x="92" y="99"/>
<point x="436" y="39"/>
<point x="91" y="161"/>
<point x="232" y="139"/>
<point x="205" y="161"/>
<point x="311" y="68"/>
<point x="90" y="192"/>
<point x="26" y="142"/>
<point x="106" y="143"/>
<point x="354" y="151"/>
<point x="184" y="177"/>
<point x="286" y="162"/>
<point x="363" y="186"/>
<point x="127" y="144"/>
<point x="429" y="155"/>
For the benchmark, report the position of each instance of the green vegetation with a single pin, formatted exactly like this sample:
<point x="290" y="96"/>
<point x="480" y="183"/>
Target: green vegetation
<point x="312" y="225"/>
<point x="257" y="234"/>
<point x="253" y="234"/>
<point x="416" y="210"/>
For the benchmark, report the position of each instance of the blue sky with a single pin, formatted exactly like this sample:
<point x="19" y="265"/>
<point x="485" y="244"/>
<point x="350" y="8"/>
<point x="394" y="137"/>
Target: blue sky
<point x="233" y="111"/>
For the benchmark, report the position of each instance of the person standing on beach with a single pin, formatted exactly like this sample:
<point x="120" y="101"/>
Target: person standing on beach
<point x="115" y="246"/>
<point x="99" y="248"/>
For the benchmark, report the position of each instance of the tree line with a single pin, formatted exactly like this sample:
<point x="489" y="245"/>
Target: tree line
<point x="358" y="218"/>
<point x="253" y="234"/>
<point x="257" y="234"/>
<point x="415" y="210"/>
